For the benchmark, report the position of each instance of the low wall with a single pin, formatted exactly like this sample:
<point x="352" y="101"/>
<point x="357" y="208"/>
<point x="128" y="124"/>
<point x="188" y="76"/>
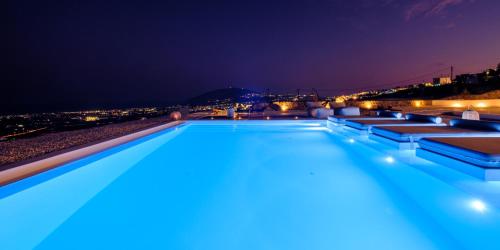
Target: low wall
<point x="405" y="104"/>
<point x="494" y="103"/>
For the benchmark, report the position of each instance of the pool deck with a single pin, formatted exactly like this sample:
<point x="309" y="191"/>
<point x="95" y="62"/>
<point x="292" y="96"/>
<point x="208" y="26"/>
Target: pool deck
<point x="52" y="161"/>
<point x="23" y="171"/>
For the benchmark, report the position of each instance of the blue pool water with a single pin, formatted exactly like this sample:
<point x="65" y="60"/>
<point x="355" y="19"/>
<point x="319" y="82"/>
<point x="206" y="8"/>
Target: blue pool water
<point x="250" y="185"/>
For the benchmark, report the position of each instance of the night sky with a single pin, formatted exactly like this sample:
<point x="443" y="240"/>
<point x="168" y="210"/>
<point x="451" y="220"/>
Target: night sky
<point x="70" y="55"/>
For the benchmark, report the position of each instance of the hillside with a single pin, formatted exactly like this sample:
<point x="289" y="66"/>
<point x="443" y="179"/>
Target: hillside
<point x="494" y="94"/>
<point x="449" y="91"/>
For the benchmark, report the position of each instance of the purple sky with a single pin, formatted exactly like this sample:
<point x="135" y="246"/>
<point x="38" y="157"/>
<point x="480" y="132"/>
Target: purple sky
<point x="68" y="55"/>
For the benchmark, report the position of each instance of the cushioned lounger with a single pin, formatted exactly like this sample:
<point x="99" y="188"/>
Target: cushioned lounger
<point x="458" y="128"/>
<point x="411" y="120"/>
<point x="407" y="134"/>
<point x="342" y="118"/>
<point x="368" y="124"/>
<point x="479" y="151"/>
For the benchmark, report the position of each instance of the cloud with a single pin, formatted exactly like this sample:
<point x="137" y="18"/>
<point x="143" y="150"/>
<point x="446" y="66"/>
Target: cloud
<point x="427" y="8"/>
<point x="416" y="10"/>
<point x="442" y="5"/>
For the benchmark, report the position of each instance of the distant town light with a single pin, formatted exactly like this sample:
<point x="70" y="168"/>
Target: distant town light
<point x="91" y="118"/>
<point x="267" y="117"/>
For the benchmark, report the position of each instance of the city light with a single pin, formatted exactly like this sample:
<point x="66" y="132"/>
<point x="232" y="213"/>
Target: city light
<point x="91" y="118"/>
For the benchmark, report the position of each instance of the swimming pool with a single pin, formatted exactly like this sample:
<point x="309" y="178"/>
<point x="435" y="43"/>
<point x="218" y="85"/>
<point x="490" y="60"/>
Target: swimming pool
<point x="250" y="185"/>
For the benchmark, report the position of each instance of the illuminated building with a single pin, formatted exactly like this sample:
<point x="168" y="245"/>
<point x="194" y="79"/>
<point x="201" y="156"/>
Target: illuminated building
<point x="441" y="80"/>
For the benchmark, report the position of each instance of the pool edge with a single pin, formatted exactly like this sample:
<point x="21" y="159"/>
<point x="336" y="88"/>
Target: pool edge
<point x="30" y="169"/>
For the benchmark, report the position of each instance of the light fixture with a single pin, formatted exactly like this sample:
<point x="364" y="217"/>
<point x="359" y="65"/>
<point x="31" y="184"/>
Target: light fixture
<point x="389" y="159"/>
<point x="351" y="140"/>
<point x="478" y="205"/>
<point x="481" y="105"/>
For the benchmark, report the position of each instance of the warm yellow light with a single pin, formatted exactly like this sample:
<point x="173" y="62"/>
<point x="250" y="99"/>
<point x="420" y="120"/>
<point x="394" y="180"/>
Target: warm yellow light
<point x="457" y="105"/>
<point x="481" y="105"/>
<point x="91" y="118"/>
<point x="368" y="105"/>
<point x="418" y="104"/>
<point x="284" y="106"/>
<point x="340" y="99"/>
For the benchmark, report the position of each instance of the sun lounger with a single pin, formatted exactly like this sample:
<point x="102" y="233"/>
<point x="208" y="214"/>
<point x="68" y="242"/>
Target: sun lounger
<point x="478" y="156"/>
<point x="406" y="137"/>
<point x="383" y="115"/>
<point x="410" y="120"/>
<point x="339" y="119"/>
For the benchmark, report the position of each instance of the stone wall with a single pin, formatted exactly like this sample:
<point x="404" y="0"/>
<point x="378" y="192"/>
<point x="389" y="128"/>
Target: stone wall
<point x="411" y="104"/>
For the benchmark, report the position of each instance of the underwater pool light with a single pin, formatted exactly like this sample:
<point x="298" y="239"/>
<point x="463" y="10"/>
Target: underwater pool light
<point x="389" y="159"/>
<point x="478" y="205"/>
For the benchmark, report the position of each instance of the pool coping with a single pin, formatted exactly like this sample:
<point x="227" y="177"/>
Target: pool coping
<point x="30" y="169"/>
<point x="482" y="173"/>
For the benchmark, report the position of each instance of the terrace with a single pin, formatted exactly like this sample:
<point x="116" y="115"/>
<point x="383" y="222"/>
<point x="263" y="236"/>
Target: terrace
<point x="260" y="181"/>
<point x="238" y="125"/>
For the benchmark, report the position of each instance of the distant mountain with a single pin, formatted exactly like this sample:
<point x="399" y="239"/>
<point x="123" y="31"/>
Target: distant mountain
<point x="228" y="95"/>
